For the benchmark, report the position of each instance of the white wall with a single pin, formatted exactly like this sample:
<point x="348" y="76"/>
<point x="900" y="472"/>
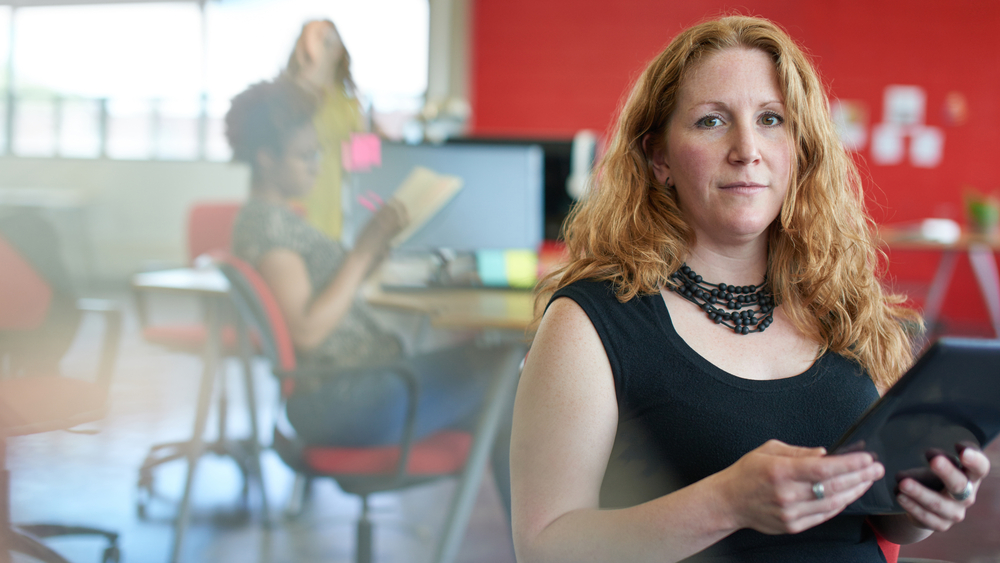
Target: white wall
<point x="133" y="213"/>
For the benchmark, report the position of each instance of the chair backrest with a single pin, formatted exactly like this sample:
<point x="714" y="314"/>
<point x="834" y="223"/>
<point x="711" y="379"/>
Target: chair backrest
<point x="259" y="309"/>
<point x="25" y="296"/>
<point x="210" y="227"/>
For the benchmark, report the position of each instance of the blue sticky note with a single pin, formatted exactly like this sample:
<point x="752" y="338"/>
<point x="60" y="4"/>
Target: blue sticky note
<point x="491" y="266"/>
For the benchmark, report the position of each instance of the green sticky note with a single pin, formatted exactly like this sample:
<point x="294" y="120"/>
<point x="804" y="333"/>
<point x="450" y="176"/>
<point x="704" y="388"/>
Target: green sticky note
<point x="522" y="267"/>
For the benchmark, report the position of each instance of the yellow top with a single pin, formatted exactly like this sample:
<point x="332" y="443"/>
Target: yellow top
<point x="338" y="117"/>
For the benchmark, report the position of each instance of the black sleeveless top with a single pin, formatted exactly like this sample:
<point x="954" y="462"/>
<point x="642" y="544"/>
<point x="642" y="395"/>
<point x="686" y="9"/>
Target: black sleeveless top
<point x="681" y="419"/>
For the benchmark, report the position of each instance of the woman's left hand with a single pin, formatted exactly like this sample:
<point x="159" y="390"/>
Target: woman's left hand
<point x="939" y="511"/>
<point x="384" y="225"/>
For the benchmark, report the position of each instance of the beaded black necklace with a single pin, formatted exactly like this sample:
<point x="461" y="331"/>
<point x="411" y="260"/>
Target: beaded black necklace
<point x="744" y="303"/>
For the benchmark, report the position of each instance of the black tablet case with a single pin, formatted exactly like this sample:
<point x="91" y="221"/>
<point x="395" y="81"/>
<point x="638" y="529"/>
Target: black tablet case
<point x="951" y="394"/>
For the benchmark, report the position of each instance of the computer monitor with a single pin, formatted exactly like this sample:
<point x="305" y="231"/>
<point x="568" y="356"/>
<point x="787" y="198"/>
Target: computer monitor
<point x="556" y="161"/>
<point x="499" y="207"/>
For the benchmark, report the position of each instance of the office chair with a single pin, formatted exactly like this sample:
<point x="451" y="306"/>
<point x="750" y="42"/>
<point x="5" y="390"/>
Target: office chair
<point x="33" y="402"/>
<point x="359" y="471"/>
<point x="209" y="228"/>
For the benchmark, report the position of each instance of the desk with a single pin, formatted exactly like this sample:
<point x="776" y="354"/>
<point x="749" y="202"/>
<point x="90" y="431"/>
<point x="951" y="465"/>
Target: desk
<point x="981" y="251"/>
<point x="504" y="315"/>
<point x="494" y="309"/>
<point x="212" y="288"/>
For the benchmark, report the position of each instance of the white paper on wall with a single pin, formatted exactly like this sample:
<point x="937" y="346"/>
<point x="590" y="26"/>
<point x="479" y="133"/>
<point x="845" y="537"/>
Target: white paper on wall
<point x="904" y="105"/>
<point x="887" y="144"/>
<point x="851" y="120"/>
<point x="926" y="146"/>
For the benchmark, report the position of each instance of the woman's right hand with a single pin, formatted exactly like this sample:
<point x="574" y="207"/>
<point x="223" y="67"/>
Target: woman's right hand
<point x="771" y="488"/>
<point x="385" y="224"/>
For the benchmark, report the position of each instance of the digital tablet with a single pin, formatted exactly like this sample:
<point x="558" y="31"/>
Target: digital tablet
<point x="950" y="395"/>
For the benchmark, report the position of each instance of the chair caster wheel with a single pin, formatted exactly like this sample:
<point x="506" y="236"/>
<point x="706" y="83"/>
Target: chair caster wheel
<point x="112" y="555"/>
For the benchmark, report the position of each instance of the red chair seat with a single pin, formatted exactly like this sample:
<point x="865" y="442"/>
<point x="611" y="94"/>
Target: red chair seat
<point x="24" y="295"/>
<point x="441" y="453"/>
<point x="39" y="404"/>
<point x="192" y="337"/>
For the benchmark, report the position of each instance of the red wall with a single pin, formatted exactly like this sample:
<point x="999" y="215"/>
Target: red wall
<point x="547" y="68"/>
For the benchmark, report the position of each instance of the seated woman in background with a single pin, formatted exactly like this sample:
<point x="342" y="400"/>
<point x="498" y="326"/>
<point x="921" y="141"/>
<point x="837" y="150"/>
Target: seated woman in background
<point x="664" y="415"/>
<point x="315" y="282"/>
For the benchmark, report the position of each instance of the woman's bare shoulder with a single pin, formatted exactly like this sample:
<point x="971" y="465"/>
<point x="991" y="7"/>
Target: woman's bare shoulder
<point x="565" y="322"/>
<point x="568" y="349"/>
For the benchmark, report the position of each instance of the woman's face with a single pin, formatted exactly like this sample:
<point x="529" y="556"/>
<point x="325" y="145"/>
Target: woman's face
<point x="728" y="151"/>
<point x="296" y="170"/>
<point x="323" y="49"/>
<point x="333" y="46"/>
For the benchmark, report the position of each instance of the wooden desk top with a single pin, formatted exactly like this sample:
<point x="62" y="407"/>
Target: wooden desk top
<point x="184" y="280"/>
<point x="446" y="308"/>
<point x="906" y="239"/>
<point x="461" y="308"/>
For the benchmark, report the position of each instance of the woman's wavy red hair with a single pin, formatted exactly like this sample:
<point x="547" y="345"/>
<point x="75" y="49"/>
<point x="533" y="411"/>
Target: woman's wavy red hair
<point x="823" y="256"/>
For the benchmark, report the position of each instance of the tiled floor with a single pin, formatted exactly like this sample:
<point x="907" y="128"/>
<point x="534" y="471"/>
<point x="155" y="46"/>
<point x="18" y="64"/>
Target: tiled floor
<point x="73" y="478"/>
<point x="91" y="479"/>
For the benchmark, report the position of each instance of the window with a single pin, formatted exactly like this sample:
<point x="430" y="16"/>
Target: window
<point x="154" y="80"/>
<point x="4" y="49"/>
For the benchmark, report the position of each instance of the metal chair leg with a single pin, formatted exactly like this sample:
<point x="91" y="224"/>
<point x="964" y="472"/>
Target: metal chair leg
<point x="53" y="530"/>
<point x="364" y="546"/>
<point x="158" y="455"/>
<point x="23" y="543"/>
<point x="112" y="553"/>
<point x="251" y="398"/>
<point x="300" y="493"/>
<point x="503" y="386"/>
<point x="210" y="372"/>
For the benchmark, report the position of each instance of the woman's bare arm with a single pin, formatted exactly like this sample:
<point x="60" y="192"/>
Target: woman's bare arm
<point x="311" y="320"/>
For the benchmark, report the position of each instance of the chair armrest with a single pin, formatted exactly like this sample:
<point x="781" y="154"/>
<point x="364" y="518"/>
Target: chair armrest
<point x="112" y="314"/>
<point x="413" y="392"/>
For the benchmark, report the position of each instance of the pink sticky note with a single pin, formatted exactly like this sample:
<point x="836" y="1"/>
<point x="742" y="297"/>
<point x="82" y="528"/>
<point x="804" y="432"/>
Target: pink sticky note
<point x="363" y="151"/>
<point x="367" y="150"/>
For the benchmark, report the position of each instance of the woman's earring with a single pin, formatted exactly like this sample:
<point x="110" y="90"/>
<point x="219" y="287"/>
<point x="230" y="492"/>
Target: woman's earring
<point x="667" y="183"/>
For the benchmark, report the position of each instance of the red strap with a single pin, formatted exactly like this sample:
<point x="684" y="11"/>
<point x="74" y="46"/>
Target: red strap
<point x="889" y="550"/>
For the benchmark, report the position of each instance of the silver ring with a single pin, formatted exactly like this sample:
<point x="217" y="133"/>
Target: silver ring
<point x="966" y="492"/>
<point x="819" y="491"/>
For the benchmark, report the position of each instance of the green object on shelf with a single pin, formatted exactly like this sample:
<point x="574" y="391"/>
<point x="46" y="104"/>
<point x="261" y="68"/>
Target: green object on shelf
<point x="983" y="212"/>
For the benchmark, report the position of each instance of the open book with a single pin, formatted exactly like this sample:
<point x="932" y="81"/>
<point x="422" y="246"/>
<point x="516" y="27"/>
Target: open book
<point x="423" y="193"/>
